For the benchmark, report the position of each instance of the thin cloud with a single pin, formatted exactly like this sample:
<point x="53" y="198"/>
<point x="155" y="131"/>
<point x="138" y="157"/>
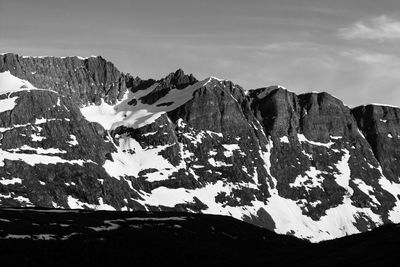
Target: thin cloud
<point x="371" y="57"/>
<point x="379" y="28"/>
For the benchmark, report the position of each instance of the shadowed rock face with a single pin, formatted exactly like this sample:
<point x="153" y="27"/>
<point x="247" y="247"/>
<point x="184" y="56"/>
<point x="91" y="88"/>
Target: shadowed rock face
<point x="177" y="79"/>
<point x="304" y="165"/>
<point x="317" y="115"/>
<point x="381" y="127"/>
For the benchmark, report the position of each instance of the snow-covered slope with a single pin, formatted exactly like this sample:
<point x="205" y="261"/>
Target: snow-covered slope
<point x="138" y="114"/>
<point x="10" y="83"/>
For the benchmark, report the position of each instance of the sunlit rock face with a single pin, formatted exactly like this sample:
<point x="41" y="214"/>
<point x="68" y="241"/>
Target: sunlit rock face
<point x="78" y="133"/>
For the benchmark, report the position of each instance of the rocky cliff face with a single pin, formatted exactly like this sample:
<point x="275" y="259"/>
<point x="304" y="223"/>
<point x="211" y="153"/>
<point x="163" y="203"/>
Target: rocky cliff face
<point x="316" y="135"/>
<point x="305" y="165"/>
<point x="85" y="80"/>
<point x="381" y="127"/>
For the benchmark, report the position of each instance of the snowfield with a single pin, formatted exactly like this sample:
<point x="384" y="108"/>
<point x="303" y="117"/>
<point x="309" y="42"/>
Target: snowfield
<point x="139" y="115"/>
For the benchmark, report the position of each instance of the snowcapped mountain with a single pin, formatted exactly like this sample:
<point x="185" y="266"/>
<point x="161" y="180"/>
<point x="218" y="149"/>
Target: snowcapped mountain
<point x="78" y="133"/>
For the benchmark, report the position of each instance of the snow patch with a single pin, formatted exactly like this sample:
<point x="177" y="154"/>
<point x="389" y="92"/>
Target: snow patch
<point x="24" y="200"/>
<point x="229" y="148"/>
<point x="7" y="103"/>
<point x="73" y="141"/>
<point x="37" y="138"/>
<point x="311" y="179"/>
<point x="139" y="115"/>
<point x="38" y="150"/>
<point x="10" y="83"/>
<point x="337" y="222"/>
<point x="34" y="159"/>
<point x="75" y="203"/>
<point x="342" y="178"/>
<point x="284" y="139"/>
<point x="10" y="181"/>
<point x="303" y="139"/>
<point x="131" y="158"/>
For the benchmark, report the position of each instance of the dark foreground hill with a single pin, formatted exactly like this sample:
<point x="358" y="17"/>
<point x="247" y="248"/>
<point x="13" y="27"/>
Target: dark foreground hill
<point x="41" y="237"/>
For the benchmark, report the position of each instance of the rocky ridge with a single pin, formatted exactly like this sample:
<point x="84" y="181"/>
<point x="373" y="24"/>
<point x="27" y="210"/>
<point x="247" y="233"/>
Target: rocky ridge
<point x="305" y="164"/>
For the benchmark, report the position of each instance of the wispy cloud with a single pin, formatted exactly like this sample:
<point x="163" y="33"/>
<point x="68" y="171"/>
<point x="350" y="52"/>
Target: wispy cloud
<point x="369" y="57"/>
<point x="378" y="28"/>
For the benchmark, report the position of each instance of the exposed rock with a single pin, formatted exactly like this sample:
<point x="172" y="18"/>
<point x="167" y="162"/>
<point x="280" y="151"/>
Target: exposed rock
<point x="381" y="127"/>
<point x="84" y="81"/>
<point x="178" y="80"/>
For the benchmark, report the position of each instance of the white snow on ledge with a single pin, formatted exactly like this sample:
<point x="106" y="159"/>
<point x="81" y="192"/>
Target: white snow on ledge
<point x="10" y="181"/>
<point x="34" y="159"/>
<point x="303" y="139"/>
<point x="38" y="150"/>
<point x="75" y="203"/>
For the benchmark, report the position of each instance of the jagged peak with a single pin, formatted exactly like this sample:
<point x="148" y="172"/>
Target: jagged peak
<point x="177" y="74"/>
<point x="177" y="79"/>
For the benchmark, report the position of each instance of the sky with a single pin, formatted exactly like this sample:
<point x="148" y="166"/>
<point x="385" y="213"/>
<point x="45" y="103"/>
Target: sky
<point x="349" y="48"/>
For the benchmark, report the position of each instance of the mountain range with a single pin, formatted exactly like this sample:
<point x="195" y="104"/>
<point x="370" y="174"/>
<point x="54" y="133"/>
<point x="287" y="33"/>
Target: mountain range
<point x="76" y="133"/>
